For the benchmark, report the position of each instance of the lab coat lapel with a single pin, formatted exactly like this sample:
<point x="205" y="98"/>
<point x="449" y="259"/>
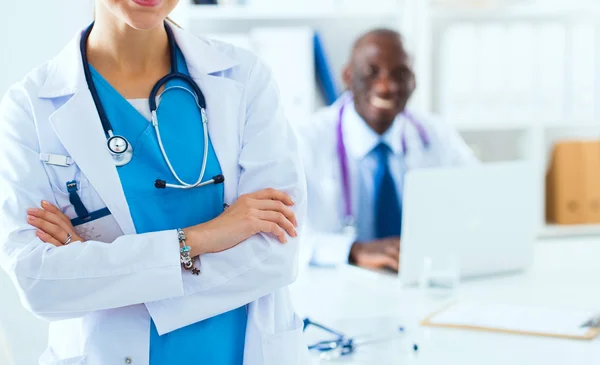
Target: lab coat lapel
<point x="223" y="102"/>
<point x="78" y="127"/>
<point x="201" y="57"/>
<point x="223" y="107"/>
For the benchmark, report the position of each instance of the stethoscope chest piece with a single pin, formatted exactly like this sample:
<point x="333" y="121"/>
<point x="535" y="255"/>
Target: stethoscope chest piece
<point x="120" y="150"/>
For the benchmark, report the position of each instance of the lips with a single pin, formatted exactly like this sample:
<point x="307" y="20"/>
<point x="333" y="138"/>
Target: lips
<point x="381" y="103"/>
<point x="147" y="3"/>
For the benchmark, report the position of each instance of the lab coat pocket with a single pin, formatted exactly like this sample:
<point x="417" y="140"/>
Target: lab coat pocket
<point x="287" y="347"/>
<point x="59" y="176"/>
<point x="50" y="358"/>
<point x="79" y="360"/>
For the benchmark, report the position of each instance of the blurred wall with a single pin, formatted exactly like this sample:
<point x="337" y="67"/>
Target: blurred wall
<point x="31" y="32"/>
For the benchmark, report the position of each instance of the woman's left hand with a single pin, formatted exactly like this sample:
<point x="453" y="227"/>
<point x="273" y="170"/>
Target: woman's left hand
<point x="53" y="226"/>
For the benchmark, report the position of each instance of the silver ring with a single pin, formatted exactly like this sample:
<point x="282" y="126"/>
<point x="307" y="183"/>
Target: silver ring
<point x="69" y="238"/>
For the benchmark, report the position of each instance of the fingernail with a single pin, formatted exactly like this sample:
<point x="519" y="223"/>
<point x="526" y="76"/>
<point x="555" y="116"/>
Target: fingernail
<point x="39" y="233"/>
<point x="46" y="204"/>
<point x="295" y="234"/>
<point x="31" y="210"/>
<point x="30" y="218"/>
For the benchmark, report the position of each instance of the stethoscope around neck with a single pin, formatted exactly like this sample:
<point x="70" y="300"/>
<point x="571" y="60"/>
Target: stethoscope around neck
<point x="119" y="147"/>
<point x="349" y="218"/>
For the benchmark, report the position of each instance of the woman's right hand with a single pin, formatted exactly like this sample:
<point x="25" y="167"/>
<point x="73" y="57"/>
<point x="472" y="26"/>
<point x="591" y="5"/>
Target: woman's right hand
<point x="265" y="211"/>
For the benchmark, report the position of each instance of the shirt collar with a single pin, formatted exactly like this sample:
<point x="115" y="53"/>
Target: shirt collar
<point x="360" y="139"/>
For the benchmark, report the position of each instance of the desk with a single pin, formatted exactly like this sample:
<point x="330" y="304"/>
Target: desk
<point x="566" y="273"/>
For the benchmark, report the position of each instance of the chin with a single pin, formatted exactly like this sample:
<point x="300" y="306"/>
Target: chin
<point x="384" y="116"/>
<point x="145" y="21"/>
<point x="385" y="122"/>
<point x="146" y="18"/>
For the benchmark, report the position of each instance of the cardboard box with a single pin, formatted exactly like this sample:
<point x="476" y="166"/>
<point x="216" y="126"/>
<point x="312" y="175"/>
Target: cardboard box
<point x="573" y="183"/>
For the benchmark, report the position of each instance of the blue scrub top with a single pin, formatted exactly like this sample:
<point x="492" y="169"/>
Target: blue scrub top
<point x="218" y="340"/>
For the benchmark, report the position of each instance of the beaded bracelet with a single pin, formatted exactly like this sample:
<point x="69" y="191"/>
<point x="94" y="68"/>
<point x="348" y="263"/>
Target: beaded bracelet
<point x="186" y="260"/>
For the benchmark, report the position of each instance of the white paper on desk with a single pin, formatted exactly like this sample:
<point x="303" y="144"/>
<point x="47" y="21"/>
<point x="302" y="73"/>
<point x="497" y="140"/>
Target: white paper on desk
<point x="516" y="318"/>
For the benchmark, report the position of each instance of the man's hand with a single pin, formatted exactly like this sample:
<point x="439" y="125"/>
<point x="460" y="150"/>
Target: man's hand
<point x="378" y="254"/>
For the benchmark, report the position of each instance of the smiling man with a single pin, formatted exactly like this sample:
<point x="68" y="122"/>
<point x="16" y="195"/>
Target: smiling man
<point x="357" y="151"/>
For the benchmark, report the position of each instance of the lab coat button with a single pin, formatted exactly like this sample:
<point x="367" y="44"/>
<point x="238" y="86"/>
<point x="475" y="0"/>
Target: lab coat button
<point x="128" y="360"/>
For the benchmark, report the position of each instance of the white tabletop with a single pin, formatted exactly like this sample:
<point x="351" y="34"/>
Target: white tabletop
<point x="566" y="274"/>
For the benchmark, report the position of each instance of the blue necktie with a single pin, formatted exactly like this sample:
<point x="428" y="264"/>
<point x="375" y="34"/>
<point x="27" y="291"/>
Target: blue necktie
<point x="388" y="213"/>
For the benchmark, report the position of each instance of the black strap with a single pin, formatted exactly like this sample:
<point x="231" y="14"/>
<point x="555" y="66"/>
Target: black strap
<point x="74" y="198"/>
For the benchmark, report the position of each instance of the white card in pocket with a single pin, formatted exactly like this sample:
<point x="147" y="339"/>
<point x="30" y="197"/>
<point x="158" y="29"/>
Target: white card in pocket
<point x="99" y="226"/>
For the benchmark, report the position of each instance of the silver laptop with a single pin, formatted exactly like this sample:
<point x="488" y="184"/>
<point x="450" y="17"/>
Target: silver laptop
<point x="485" y="216"/>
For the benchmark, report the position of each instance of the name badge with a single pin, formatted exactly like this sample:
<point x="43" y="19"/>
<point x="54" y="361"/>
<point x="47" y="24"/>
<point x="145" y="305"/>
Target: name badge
<point x="56" y="160"/>
<point x="98" y="226"/>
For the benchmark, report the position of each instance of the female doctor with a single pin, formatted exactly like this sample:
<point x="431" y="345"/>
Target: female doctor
<point x="149" y="192"/>
<point x="357" y="151"/>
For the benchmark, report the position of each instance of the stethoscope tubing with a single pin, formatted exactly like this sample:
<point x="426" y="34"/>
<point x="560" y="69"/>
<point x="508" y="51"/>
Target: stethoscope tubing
<point x="154" y="101"/>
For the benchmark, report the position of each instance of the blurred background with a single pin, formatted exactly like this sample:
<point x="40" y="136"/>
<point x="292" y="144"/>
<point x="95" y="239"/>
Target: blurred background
<point x="520" y="80"/>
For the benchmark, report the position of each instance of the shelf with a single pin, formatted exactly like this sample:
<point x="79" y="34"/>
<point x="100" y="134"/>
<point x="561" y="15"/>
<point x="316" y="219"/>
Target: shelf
<point x="475" y="124"/>
<point x="523" y="12"/>
<point x="491" y="127"/>
<point x="555" y="230"/>
<point x="472" y="124"/>
<point x="241" y="12"/>
<point x="572" y="125"/>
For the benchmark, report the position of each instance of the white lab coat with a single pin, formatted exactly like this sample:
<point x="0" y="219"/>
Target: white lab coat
<point x="329" y="242"/>
<point x="99" y="296"/>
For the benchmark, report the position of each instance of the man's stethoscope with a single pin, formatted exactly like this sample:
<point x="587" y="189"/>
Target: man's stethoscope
<point x="349" y="219"/>
<point x="118" y="146"/>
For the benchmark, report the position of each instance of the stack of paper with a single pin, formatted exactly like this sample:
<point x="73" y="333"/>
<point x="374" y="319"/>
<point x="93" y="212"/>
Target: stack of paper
<point x="514" y="71"/>
<point x="457" y="77"/>
<point x="582" y="91"/>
